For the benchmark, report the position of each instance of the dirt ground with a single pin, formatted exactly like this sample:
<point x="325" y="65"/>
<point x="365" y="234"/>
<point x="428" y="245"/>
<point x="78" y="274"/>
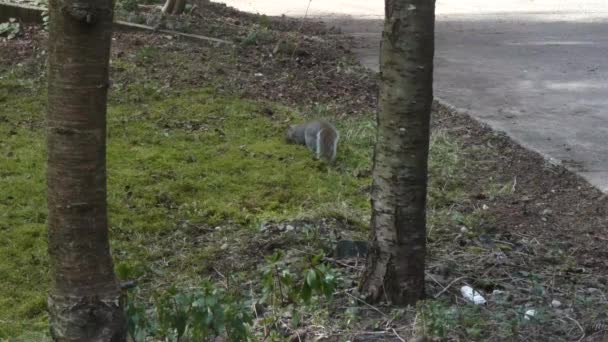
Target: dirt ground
<point x="546" y="232"/>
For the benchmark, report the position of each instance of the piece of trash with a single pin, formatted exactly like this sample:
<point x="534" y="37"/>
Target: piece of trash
<point x="556" y="303"/>
<point x="529" y="314"/>
<point x="471" y="295"/>
<point x="464" y="230"/>
<point x="258" y="74"/>
<point x="485" y="207"/>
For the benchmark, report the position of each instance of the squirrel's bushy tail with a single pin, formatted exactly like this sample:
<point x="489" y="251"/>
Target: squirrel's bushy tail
<point x="327" y="144"/>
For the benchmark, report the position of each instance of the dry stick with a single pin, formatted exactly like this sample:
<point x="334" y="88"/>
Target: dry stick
<point x="435" y="280"/>
<point x="367" y="304"/>
<point x="449" y="285"/>
<point x="579" y="326"/>
<point x="397" y="335"/>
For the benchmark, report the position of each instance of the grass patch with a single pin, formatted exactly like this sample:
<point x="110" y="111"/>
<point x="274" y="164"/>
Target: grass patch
<point x="175" y="165"/>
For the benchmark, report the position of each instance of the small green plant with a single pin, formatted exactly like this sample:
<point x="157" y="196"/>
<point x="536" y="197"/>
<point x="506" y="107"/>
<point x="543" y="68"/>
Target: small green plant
<point x="320" y="280"/>
<point x="277" y="282"/>
<point x="196" y="315"/>
<point x="11" y="28"/>
<point x="293" y="296"/>
<point x="280" y="287"/>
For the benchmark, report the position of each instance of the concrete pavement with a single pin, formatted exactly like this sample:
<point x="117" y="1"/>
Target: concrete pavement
<point x="535" y="69"/>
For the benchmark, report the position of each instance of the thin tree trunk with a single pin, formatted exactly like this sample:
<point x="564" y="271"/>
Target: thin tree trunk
<point x="84" y="303"/>
<point x="395" y="264"/>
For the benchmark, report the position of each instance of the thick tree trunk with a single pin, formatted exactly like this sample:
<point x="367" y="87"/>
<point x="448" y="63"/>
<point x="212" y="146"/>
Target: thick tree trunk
<point x="395" y="264"/>
<point x="180" y="5"/>
<point x="84" y="303"/>
<point x="168" y="7"/>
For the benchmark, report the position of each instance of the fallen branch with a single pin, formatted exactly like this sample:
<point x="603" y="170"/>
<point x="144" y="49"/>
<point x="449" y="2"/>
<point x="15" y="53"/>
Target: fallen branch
<point x="127" y="25"/>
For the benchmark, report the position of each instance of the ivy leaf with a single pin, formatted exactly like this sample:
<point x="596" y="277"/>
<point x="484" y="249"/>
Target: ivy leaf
<point x="312" y="279"/>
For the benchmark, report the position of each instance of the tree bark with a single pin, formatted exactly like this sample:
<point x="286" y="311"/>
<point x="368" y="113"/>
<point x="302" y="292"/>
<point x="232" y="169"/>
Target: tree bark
<point x="180" y="5"/>
<point x="168" y="7"/>
<point x="395" y="264"/>
<point x="85" y="300"/>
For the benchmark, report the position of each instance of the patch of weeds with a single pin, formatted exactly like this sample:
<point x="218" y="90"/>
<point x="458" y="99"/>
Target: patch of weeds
<point x="279" y="285"/>
<point x="211" y="311"/>
<point x="258" y="36"/>
<point x="147" y="55"/>
<point x="198" y="315"/>
<point x="442" y="320"/>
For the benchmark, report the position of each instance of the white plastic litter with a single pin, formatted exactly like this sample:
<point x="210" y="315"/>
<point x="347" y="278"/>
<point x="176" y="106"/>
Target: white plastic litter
<point x="530" y="314"/>
<point x="471" y="295"/>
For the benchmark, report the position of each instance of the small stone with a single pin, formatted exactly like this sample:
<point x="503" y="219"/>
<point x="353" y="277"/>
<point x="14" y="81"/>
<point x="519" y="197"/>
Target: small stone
<point x="289" y="228"/>
<point x="556" y="303"/>
<point x="224" y="246"/>
<point x="485" y="207"/>
<point x="547" y="212"/>
<point x="464" y="230"/>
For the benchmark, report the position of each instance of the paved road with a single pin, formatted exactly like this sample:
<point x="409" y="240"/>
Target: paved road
<point x="535" y="69"/>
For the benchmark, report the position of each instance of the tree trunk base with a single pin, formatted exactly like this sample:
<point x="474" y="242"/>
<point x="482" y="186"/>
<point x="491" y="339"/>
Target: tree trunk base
<point x="380" y="282"/>
<point x="91" y="319"/>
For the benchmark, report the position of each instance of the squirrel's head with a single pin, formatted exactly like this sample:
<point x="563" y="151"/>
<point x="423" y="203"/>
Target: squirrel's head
<point x="290" y="133"/>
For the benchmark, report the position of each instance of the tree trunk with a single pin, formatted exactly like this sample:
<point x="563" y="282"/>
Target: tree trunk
<point x="395" y="264"/>
<point x="180" y="5"/>
<point x="168" y="7"/>
<point x="84" y="302"/>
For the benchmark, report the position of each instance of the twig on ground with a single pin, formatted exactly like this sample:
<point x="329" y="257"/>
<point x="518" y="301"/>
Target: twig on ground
<point x="579" y="326"/>
<point x="435" y="280"/>
<point x="397" y="335"/>
<point x="449" y="285"/>
<point x="367" y="304"/>
<point x="335" y="261"/>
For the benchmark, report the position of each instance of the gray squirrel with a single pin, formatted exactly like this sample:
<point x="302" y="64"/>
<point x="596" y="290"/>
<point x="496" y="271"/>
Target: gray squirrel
<point x="319" y="136"/>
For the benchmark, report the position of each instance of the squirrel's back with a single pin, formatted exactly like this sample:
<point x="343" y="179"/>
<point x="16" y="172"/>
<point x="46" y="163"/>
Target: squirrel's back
<point x="319" y="136"/>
